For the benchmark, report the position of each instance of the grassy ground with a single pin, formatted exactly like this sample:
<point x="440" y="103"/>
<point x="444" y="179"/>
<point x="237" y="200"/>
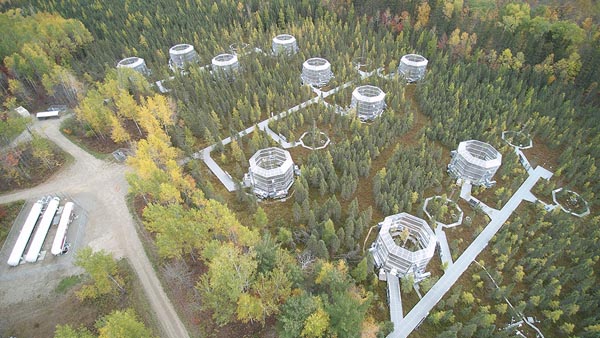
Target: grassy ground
<point x="68" y="283"/>
<point x="8" y="213"/>
<point x="40" y="317"/>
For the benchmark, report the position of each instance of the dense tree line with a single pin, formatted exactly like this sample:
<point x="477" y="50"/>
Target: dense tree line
<point x="408" y="173"/>
<point x="510" y="100"/>
<point x="248" y="279"/>
<point x="11" y="126"/>
<point x="106" y="280"/>
<point x="122" y="97"/>
<point x="544" y="264"/>
<point x="485" y="75"/>
<point x="213" y="108"/>
<point x="37" y="52"/>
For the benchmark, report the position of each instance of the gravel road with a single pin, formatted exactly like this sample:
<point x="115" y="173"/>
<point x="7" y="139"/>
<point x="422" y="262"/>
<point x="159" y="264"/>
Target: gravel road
<point x="100" y="188"/>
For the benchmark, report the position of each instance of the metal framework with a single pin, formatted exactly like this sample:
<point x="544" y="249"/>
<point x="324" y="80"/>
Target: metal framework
<point x="476" y="162"/>
<point x="369" y="102"/>
<point x="182" y="55"/>
<point x="411" y="257"/>
<point x="226" y="64"/>
<point x="284" y="44"/>
<point x="316" y="72"/>
<point x="271" y="172"/>
<point x="135" y="63"/>
<point x="412" y="67"/>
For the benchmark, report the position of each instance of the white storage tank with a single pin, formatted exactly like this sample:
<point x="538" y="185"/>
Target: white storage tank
<point x="135" y="63"/>
<point x="316" y="72"/>
<point x="42" y="231"/>
<point x="58" y="245"/>
<point x="369" y="102"/>
<point x="412" y="67"/>
<point x="181" y="55"/>
<point x="284" y="44"/>
<point x="15" y="256"/>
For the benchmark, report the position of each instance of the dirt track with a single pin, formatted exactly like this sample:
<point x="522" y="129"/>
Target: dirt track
<point x="100" y="188"/>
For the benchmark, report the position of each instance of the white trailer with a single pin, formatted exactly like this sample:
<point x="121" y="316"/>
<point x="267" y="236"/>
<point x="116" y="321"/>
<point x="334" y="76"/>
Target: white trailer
<point x="19" y="248"/>
<point x="47" y="114"/>
<point x="61" y="232"/>
<point x="42" y="231"/>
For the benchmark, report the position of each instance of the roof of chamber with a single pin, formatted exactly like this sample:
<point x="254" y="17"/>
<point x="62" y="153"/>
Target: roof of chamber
<point x="316" y="64"/>
<point x="480" y="153"/>
<point x="284" y="39"/>
<point x="419" y="232"/>
<point x="368" y="93"/>
<point x="414" y="60"/>
<point x="270" y="162"/>
<point x="131" y="62"/>
<point x="224" y="60"/>
<point x="183" y="48"/>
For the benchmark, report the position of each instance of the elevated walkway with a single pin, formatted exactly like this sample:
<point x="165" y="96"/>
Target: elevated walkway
<point x="431" y="298"/>
<point x="444" y="248"/>
<point x="393" y="284"/>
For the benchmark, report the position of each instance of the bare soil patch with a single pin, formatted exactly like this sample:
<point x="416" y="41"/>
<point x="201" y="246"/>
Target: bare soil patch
<point x="39" y="318"/>
<point x="461" y="236"/>
<point x="541" y="154"/>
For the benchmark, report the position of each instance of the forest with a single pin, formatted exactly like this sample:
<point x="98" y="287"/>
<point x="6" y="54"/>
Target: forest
<point x="299" y="268"/>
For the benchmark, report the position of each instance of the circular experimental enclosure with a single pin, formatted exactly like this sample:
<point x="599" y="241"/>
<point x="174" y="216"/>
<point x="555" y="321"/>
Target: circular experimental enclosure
<point x="316" y="72"/>
<point x="225" y="64"/>
<point x="369" y="102"/>
<point x="182" y="55"/>
<point x="476" y="162"/>
<point x="570" y="202"/>
<point x="314" y="140"/>
<point x="412" y="67"/>
<point x="453" y="216"/>
<point x="362" y="64"/>
<point x="284" y="44"/>
<point x="271" y="172"/>
<point x="239" y="48"/>
<point x="135" y="63"/>
<point x="517" y="139"/>
<point x="404" y="246"/>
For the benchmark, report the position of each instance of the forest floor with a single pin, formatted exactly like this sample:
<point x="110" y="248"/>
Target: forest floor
<point x="179" y="278"/>
<point x="99" y="146"/>
<point x="541" y="154"/>
<point x="99" y="188"/>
